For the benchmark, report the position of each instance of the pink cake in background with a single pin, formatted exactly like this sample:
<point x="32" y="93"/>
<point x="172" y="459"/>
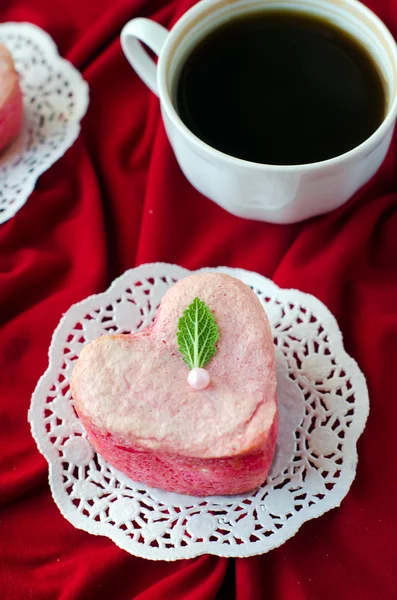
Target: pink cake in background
<point x="11" y="101"/>
<point x="142" y="416"/>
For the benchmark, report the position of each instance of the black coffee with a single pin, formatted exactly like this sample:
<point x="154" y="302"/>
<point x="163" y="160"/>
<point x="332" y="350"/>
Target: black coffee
<point x="280" y="88"/>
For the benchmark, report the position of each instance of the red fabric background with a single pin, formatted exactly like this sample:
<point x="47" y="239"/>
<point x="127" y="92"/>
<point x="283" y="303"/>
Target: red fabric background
<point x="117" y="199"/>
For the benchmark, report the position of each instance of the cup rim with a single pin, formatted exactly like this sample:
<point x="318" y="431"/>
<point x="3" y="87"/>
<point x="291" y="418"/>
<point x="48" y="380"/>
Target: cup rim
<point x="168" y="106"/>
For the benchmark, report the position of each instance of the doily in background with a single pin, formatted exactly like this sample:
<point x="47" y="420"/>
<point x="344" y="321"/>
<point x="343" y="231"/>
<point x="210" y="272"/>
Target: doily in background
<point x="323" y="403"/>
<point x="55" y="100"/>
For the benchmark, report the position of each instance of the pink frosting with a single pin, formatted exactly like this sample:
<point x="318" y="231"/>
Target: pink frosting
<point x="132" y="394"/>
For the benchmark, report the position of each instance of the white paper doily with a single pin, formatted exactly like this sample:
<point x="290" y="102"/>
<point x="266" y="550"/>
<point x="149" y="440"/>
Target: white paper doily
<point x="55" y="100"/>
<point x="323" y="402"/>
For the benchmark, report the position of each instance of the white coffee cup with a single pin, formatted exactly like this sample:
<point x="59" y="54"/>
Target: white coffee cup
<point x="278" y="194"/>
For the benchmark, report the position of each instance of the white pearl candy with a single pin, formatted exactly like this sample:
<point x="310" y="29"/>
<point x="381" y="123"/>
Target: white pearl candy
<point x="198" y="378"/>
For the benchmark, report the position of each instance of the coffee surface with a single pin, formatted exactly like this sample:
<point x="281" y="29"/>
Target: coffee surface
<point x="280" y="88"/>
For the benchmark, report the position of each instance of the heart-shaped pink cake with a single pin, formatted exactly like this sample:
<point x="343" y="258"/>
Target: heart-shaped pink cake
<point x="140" y="413"/>
<point x="11" y="102"/>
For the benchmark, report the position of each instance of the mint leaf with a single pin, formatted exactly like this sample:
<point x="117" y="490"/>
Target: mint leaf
<point x="197" y="334"/>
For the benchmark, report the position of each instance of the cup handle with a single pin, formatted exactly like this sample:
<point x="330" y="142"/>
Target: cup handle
<point x="153" y="35"/>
